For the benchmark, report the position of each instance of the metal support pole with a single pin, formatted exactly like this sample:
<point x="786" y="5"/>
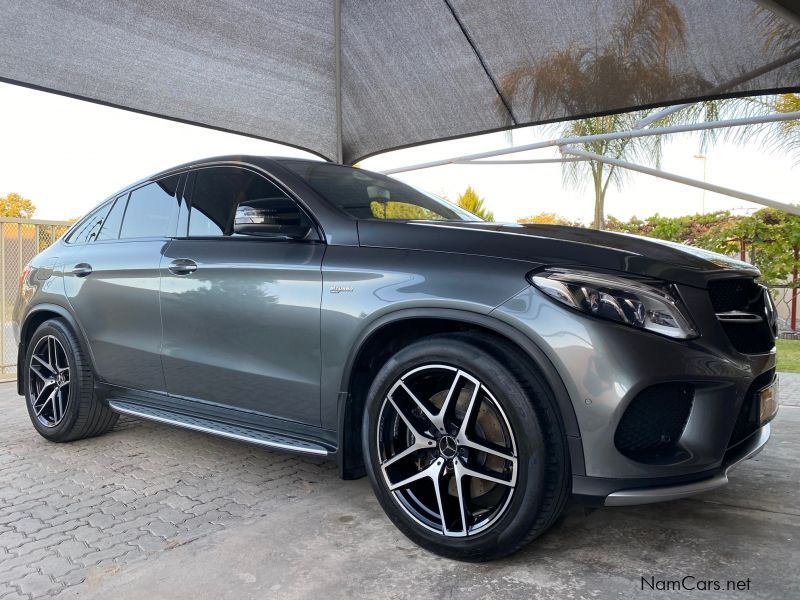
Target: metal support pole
<point x="337" y="42"/>
<point x="671" y="110"/>
<point x="533" y="161"/>
<point x="657" y="116"/>
<point x="582" y="139"/>
<point x="790" y="208"/>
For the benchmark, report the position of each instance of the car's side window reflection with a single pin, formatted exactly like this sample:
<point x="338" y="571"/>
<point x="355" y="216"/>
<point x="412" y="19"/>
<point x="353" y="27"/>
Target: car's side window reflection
<point x="152" y="210"/>
<point x="110" y="229"/>
<point x="228" y="201"/>
<point x="86" y="230"/>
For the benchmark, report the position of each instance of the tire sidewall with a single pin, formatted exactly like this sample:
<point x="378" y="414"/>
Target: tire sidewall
<point x="59" y="331"/>
<point x="522" y="511"/>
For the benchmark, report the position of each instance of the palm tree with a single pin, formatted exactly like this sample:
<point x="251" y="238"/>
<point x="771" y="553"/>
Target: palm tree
<point x="633" y="69"/>
<point x="471" y="202"/>
<point x="645" y="149"/>
<point x="789" y="131"/>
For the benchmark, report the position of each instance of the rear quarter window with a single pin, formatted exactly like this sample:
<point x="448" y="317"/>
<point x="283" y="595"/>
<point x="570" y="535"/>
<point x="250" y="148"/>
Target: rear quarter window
<point x="87" y="228"/>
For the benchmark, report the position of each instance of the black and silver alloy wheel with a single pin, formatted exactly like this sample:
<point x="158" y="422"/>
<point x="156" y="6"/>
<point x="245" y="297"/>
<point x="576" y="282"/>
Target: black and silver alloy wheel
<point x="448" y="453"/>
<point x="49" y="381"/>
<point x="464" y="447"/>
<point x="59" y="386"/>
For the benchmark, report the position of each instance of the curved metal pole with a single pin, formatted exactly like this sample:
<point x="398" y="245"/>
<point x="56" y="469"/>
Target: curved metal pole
<point x="620" y="135"/>
<point x="790" y="208"/>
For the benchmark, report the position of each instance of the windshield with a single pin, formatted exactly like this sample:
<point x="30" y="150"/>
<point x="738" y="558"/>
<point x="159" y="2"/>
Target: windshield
<point x="367" y="195"/>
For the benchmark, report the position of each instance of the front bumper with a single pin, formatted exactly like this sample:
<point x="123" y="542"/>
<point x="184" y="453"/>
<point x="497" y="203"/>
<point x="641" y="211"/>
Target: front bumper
<point x="648" y="495"/>
<point x="605" y="367"/>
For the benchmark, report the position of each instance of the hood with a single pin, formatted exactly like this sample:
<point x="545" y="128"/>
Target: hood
<point x="557" y="245"/>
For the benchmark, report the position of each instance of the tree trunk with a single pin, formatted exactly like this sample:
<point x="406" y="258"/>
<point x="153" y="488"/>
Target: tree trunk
<point x="599" y="221"/>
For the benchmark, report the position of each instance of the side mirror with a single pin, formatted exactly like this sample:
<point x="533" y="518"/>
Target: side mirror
<point x="272" y="217"/>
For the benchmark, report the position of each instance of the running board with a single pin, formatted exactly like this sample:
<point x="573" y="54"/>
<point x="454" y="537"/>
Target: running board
<point x="234" y="432"/>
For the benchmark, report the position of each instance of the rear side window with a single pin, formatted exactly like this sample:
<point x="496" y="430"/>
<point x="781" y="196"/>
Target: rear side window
<point x="86" y="229"/>
<point x="229" y="201"/>
<point x="152" y="210"/>
<point x="110" y="230"/>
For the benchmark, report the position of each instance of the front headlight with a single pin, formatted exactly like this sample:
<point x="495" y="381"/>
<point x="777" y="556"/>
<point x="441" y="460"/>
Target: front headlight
<point x="649" y="306"/>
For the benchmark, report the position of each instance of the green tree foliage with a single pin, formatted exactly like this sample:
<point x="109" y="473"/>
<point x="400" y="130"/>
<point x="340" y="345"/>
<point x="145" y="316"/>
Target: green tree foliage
<point x="14" y="205"/>
<point x="769" y="238"/>
<point x="547" y="218"/>
<point x="686" y="229"/>
<point x="400" y="210"/>
<point x="471" y="202"/>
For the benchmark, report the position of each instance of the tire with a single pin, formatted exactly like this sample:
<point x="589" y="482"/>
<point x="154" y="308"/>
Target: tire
<point x="513" y="418"/>
<point x="59" y="386"/>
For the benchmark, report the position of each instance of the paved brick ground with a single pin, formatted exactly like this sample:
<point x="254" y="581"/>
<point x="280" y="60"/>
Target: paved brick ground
<point x="790" y="389"/>
<point x="78" y="517"/>
<point x="67" y="510"/>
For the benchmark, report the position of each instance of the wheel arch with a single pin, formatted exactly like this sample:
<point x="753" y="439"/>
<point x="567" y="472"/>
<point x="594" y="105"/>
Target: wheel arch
<point x="383" y="336"/>
<point x="36" y="316"/>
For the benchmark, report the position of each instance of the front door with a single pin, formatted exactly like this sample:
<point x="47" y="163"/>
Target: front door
<point x="240" y="299"/>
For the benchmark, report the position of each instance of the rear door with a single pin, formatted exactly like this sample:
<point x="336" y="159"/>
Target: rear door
<point x="111" y="278"/>
<point x="240" y="298"/>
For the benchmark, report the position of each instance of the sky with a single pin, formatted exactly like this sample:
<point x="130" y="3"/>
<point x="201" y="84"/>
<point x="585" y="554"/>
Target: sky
<point x="67" y="155"/>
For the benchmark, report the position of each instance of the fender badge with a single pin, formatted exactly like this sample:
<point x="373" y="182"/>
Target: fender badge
<point x="338" y="289"/>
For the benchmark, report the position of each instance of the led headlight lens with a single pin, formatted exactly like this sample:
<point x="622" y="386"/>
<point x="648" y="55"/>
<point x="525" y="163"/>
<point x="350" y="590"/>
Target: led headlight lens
<point x="644" y="305"/>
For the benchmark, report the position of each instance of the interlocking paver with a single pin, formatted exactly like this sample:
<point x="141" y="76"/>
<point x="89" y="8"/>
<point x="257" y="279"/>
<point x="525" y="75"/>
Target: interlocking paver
<point x="67" y="510"/>
<point x="37" y="585"/>
<point x="72" y="549"/>
<point x="789" y="388"/>
<point x="70" y="510"/>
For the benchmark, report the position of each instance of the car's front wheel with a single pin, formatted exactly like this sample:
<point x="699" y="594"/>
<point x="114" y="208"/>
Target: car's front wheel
<point x="463" y="447"/>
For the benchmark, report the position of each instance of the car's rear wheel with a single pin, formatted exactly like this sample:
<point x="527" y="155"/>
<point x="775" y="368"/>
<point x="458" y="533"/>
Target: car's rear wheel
<point x="59" y="386"/>
<point x="463" y="447"/>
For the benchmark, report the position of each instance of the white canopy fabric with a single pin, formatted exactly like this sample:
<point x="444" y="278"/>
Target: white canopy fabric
<point x="346" y="79"/>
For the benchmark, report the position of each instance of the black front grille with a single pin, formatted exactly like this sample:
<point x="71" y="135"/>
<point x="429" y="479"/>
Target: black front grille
<point x="654" y="421"/>
<point x="734" y="294"/>
<point x="748" y="419"/>
<point x="745" y="296"/>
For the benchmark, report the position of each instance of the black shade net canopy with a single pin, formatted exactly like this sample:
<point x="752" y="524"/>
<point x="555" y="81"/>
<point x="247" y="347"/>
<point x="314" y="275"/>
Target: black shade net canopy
<point x="346" y="79"/>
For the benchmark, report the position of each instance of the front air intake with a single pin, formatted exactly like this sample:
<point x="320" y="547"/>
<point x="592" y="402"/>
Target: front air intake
<point x="654" y="421"/>
<point x="741" y="308"/>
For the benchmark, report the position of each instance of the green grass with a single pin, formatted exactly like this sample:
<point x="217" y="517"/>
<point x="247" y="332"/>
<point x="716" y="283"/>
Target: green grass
<point x="788" y="356"/>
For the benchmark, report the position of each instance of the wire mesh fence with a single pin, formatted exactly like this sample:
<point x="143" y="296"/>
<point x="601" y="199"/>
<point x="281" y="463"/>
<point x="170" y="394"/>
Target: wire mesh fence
<point x="786" y="300"/>
<point x="21" y="240"/>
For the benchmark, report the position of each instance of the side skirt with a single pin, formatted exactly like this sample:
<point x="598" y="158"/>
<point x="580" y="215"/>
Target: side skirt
<point x="221" y="421"/>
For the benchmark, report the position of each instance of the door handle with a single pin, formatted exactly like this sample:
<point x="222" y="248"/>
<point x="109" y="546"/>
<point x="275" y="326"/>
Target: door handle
<point x="182" y="266"/>
<point x="82" y="270"/>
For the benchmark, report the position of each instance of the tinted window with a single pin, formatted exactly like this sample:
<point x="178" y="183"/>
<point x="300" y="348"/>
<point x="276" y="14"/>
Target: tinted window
<point x="110" y="230"/>
<point x="367" y="195"/>
<point x="86" y="229"/>
<point x="232" y="201"/>
<point x="152" y="210"/>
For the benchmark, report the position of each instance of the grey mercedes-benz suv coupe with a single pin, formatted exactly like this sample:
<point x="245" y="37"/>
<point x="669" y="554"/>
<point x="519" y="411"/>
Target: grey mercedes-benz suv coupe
<point x="480" y="374"/>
